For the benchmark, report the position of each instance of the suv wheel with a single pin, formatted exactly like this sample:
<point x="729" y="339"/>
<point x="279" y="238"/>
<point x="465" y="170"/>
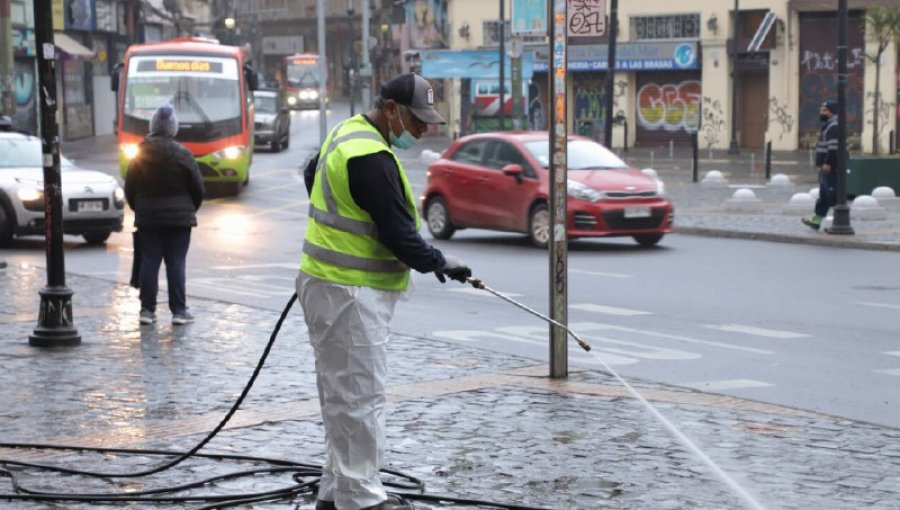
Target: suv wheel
<point x="6" y="227"/>
<point x="96" y="237"/>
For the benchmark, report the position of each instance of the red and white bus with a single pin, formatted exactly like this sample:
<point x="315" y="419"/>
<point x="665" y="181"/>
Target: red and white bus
<point x="210" y="86"/>
<point x="304" y="80"/>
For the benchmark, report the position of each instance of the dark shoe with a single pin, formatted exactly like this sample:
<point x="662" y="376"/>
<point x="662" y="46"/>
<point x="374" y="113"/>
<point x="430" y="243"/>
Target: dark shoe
<point x="147" y="317"/>
<point x="180" y="319"/>
<point x="322" y="504"/>
<point x="811" y="223"/>
<point x="393" y="503"/>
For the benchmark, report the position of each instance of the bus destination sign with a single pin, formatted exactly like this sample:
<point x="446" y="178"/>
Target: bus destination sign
<point x="170" y="65"/>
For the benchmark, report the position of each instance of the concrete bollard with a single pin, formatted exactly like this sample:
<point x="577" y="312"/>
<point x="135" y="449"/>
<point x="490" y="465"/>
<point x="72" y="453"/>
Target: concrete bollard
<point x="714" y="179"/>
<point x="800" y="203"/>
<point x="744" y="200"/>
<point x="886" y="198"/>
<point x="865" y="207"/>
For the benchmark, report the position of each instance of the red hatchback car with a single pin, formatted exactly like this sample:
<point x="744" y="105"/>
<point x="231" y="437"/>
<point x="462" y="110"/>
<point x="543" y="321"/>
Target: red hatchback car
<point x="501" y="181"/>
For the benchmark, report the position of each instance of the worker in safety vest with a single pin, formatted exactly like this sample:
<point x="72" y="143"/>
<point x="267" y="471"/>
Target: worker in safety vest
<point x="362" y="238"/>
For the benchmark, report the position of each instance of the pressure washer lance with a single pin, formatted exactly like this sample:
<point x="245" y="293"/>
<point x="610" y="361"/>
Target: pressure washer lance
<point x="478" y="284"/>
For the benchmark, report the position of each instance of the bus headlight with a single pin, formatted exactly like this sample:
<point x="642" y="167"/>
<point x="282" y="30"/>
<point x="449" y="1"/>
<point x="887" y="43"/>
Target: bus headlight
<point x="130" y="150"/>
<point x="232" y="152"/>
<point x="292" y="100"/>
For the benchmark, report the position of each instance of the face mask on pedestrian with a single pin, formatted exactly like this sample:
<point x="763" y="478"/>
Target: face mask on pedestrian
<point x="824" y="116"/>
<point x="406" y="140"/>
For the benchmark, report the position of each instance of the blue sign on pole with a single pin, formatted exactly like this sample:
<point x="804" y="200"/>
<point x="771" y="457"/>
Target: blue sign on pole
<point x="529" y="17"/>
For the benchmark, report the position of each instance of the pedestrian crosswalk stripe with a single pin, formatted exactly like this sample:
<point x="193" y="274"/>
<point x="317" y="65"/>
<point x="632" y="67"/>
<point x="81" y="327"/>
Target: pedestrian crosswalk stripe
<point x="881" y="305"/>
<point x="892" y="353"/>
<point x="608" y="310"/>
<point x="726" y="384"/>
<point x="753" y="330"/>
<point x="890" y="371"/>
<point x="598" y="273"/>
<point x="476" y="292"/>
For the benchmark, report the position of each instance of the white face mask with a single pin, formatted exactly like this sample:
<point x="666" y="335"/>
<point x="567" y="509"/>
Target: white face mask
<point x="406" y="140"/>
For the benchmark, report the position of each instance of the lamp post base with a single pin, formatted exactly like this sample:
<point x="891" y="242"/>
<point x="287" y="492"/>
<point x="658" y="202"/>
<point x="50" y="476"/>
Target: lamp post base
<point x="841" y="223"/>
<point x="733" y="148"/>
<point x="55" y="326"/>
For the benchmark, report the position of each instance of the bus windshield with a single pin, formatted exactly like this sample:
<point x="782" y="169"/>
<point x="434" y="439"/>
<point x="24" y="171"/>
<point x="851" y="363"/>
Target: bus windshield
<point x="303" y="72"/>
<point x="202" y="89"/>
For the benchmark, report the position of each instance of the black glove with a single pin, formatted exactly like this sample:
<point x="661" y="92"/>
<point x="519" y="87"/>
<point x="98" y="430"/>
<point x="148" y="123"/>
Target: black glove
<point x="454" y="268"/>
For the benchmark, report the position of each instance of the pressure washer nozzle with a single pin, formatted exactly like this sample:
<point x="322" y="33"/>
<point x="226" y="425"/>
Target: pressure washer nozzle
<point x="475" y="282"/>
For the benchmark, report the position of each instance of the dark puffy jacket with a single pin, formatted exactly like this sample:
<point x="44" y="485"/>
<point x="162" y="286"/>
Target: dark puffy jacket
<point x="163" y="185"/>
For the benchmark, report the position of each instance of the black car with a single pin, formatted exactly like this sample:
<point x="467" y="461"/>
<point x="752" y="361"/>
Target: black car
<point x="273" y="119"/>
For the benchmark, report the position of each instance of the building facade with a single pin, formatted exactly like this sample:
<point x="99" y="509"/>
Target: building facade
<point x="674" y="70"/>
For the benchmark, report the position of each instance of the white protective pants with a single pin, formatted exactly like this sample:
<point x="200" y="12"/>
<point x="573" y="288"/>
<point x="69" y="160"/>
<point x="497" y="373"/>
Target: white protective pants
<point x="348" y="329"/>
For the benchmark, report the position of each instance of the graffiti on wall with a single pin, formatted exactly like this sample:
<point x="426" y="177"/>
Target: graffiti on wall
<point x="818" y="80"/>
<point x="425" y="20"/>
<point x="780" y="116"/>
<point x="589" y="97"/>
<point x="713" y="126"/>
<point x="670" y="106"/>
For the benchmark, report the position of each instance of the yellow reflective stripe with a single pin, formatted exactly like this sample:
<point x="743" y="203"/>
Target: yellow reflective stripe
<point x="354" y="262"/>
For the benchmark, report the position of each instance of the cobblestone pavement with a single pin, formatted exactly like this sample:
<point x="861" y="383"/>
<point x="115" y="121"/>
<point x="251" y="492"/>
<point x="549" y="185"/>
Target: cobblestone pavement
<point x="467" y="422"/>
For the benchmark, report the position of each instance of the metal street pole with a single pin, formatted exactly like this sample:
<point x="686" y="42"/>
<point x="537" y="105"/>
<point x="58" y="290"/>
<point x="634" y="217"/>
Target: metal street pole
<point x="736" y="33"/>
<point x="55" y="327"/>
<point x="841" y="223"/>
<point x="323" y="76"/>
<point x="365" y="72"/>
<point x="559" y="306"/>
<point x="500" y="31"/>
<point x="610" y="72"/>
<point x="351" y="73"/>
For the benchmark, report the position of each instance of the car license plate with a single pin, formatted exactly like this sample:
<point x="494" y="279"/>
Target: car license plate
<point x="637" y="212"/>
<point x="90" y="206"/>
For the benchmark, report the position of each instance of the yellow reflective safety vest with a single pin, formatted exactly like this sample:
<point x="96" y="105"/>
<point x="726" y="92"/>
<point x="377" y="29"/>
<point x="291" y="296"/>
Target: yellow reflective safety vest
<point x="341" y="244"/>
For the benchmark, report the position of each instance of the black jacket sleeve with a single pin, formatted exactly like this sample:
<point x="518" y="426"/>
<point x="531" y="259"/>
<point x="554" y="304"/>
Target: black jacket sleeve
<point x="194" y="178"/>
<point x="309" y="172"/>
<point x="376" y="187"/>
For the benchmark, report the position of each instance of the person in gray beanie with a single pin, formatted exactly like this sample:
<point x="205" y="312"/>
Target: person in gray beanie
<point x="164" y="188"/>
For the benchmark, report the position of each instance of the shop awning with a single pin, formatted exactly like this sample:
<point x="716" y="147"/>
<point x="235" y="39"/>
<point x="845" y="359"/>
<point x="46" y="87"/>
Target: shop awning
<point x="71" y="46"/>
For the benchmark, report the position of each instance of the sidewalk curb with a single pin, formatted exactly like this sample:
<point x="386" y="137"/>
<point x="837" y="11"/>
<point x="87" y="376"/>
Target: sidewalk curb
<point x="837" y="242"/>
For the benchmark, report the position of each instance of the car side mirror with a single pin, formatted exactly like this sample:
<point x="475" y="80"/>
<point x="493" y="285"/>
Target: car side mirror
<point x="513" y="170"/>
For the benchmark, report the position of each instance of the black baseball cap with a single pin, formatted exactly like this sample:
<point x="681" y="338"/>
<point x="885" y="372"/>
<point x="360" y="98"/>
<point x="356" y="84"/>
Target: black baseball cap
<point x="414" y="92"/>
<point x="831" y="106"/>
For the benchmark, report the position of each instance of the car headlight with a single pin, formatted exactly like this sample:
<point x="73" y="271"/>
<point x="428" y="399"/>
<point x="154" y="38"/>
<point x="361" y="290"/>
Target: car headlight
<point x="292" y="100"/>
<point x="232" y="152"/>
<point x="130" y="150"/>
<point x="304" y="94"/>
<point x="660" y="188"/>
<point x="119" y="197"/>
<point x="32" y="198"/>
<point x="581" y="192"/>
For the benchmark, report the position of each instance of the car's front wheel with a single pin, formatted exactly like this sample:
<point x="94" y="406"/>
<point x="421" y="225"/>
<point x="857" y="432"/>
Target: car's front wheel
<point x="438" y="218"/>
<point x="539" y="225"/>
<point x="6" y="228"/>
<point x="276" y="144"/>
<point x="648" y="240"/>
<point x="96" y="237"/>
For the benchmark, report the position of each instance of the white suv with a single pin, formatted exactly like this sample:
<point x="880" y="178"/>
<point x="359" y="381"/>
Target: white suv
<point x="93" y="203"/>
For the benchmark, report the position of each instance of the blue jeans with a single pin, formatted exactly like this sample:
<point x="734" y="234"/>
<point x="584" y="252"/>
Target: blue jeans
<point x="169" y="244"/>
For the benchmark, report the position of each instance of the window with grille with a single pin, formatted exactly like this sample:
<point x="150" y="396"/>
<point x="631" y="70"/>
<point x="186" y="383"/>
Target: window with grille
<point x="673" y="26"/>
<point x="492" y="33"/>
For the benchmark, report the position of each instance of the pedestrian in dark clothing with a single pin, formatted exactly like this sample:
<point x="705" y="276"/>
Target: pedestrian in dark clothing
<point x="826" y="164"/>
<point x="164" y="188"/>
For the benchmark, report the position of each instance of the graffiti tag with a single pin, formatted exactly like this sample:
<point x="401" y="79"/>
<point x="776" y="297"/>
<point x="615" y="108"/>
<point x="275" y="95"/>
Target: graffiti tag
<point x="671" y="107"/>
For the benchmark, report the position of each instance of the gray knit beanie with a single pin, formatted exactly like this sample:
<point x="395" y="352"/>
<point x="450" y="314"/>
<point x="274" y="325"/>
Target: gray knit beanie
<point x="164" y="122"/>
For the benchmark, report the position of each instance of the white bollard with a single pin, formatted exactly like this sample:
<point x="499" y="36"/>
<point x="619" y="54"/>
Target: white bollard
<point x="800" y="203"/>
<point x="865" y="207"/>
<point x="714" y="179"/>
<point x="886" y="197"/>
<point x="744" y="200"/>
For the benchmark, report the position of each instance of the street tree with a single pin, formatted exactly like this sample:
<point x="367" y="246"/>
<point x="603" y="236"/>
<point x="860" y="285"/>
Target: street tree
<point x="882" y="26"/>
